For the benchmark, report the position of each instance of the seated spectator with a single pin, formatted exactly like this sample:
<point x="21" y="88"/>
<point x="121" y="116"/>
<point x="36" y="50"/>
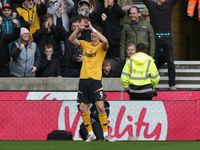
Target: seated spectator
<point x="53" y="11"/>
<point x="130" y="51"/>
<point x="7" y="25"/>
<point x="5" y="39"/>
<point x="48" y="34"/>
<point x="84" y="8"/>
<point x="30" y="15"/>
<point x="50" y="65"/>
<point x="25" y="56"/>
<point x="95" y="121"/>
<point x="106" y="69"/>
<point x="111" y="26"/>
<point x="145" y="14"/>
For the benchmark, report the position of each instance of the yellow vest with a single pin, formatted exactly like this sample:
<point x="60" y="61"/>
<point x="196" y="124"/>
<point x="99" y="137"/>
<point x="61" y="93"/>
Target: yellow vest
<point x="140" y="70"/>
<point x="30" y="14"/>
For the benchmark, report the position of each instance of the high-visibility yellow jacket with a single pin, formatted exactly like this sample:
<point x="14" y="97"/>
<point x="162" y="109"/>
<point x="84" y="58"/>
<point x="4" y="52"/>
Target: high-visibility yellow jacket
<point x="140" y="75"/>
<point x="33" y="13"/>
<point x="191" y="7"/>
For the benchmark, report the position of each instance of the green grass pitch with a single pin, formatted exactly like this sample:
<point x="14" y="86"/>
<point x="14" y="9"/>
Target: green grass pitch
<point x="99" y="145"/>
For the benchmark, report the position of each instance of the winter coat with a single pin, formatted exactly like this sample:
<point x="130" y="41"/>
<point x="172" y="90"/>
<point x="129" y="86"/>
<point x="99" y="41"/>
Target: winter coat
<point x="145" y="35"/>
<point x="34" y="13"/>
<point x="50" y="68"/>
<point x="41" y="37"/>
<point x="22" y="60"/>
<point x="5" y="39"/>
<point x="111" y="27"/>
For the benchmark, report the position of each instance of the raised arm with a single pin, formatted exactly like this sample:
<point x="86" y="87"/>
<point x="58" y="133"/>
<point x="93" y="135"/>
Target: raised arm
<point x="100" y="36"/>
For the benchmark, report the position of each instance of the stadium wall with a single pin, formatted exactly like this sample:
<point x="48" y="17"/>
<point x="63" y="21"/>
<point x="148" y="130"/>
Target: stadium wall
<point x="32" y="108"/>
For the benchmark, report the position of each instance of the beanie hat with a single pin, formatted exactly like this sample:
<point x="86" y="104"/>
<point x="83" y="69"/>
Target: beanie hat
<point x="6" y="5"/>
<point x="84" y="1"/>
<point x="24" y="30"/>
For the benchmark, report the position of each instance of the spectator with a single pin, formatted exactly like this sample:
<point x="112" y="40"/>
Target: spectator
<point x="72" y="60"/>
<point x="53" y="10"/>
<point x="160" y="13"/>
<point x="140" y="75"/>
<point x="25" y="56"/>
<point x="5" y="39"/>
<point x="48" y="34"/>
<point x="130" y="51"/>
<point x="191" y="8"/>
<point x="107" y="69"/>
<point x="145" y="14"/>
<point x="137" y="31"/>
<point x="31" y="13"/>
<point x="96" y="125"/>
<point x="125" y="5"/>
<point x="7" y="24"/>
<point x="111" y="26"/>
<point x="50" y="65"/>
<point x="84" y="8"/>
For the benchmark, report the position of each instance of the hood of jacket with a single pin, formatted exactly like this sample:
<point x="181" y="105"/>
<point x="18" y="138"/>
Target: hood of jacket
<point x="141" y="58"/>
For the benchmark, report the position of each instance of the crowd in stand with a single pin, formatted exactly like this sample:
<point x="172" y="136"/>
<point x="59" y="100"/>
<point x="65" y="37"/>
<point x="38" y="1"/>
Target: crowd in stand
<point x="34" y="35"/>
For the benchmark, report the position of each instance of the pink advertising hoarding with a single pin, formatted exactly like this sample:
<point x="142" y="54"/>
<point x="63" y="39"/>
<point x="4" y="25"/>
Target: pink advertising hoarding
<point x="27" y="119"/>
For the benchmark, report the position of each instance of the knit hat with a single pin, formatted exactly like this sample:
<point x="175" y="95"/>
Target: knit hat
<point x="53" y="1"/>
<point x="145" y="12"/>
<point x="83" y="1"/>
<point x="24" y="30"/>
<point x="6" y="5"/>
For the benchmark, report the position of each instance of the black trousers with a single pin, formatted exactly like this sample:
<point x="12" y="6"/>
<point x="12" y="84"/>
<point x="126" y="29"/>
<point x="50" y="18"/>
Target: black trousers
<point x="97" y="129"/>
<point x="165" y="43"/>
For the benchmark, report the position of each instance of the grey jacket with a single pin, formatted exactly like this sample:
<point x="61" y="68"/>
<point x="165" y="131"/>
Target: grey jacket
<point x="54" y="12"/>
<point x="22" y="60"/>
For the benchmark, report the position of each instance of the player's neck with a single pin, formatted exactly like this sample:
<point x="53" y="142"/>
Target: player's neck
<point x="96" y="42"/>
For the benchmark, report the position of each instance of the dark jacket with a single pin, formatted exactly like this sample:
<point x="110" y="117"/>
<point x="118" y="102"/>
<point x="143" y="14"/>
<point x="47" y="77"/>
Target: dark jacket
<point x="41" y="37"/>
<point x="69" y="47"/>
<point x="5" y="39"/>
<point x="50" y="68"/>
<point x="111" y="27"/>
<point x="110" y="74"/>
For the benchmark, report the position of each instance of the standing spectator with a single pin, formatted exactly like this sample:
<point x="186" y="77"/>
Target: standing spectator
<point x="191" y="7"/>
<point x="90" y="87"/>
<point x="7" y="25"/>
<point x="111" y="26"/>
<point x="31" y="14"/>
<point x="50" y="65"/>
<point x="84" y="8"/>
<point x="73" y="56"/>
<point x="140" y="75"/>
<point x="5" y="39"/>
<point x="160" y="13"/>
<point x="137" y="31"/>
<point x="125" y="5"/>
<point x="48" y="34"/>
<point x="25" y="56"/>
<point x="145" y="14"/>
<point x="53" y="10"/>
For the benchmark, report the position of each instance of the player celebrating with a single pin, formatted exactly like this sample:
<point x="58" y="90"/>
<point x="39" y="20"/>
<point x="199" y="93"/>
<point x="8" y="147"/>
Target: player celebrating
<point x="90" y="87"/>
